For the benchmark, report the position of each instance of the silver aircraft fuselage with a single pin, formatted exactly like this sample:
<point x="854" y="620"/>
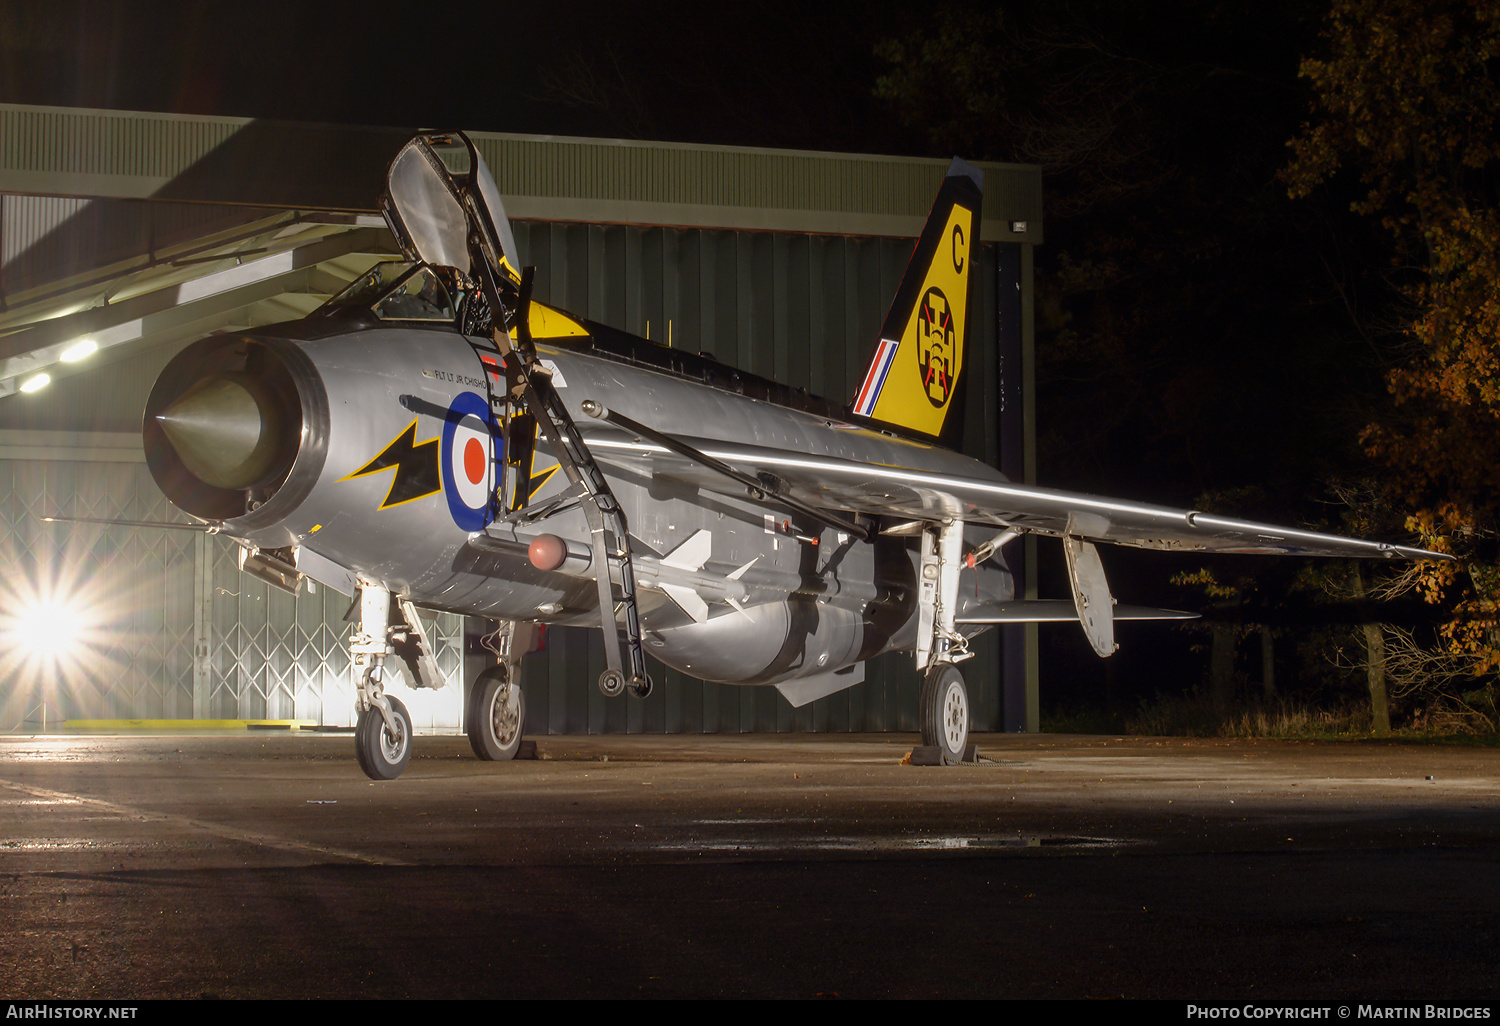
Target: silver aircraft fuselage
<point x="779" y="597"/>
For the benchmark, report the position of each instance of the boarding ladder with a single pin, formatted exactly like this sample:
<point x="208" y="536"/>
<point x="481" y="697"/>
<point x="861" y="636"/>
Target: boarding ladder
<point x="525" y="378"/>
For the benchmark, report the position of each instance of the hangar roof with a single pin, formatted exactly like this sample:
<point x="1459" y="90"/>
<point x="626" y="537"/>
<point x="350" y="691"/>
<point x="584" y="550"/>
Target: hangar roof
<point x="59" y="151"/>
<point x="136" y="230"/>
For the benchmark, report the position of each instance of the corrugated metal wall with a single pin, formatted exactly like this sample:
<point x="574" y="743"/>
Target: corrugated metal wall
<point x="70" y="144"/>
<point x="805" y="310"/>
<point x="59" y="151"/>
<point x="640" y="173"/>
<point x="175" y="631"/>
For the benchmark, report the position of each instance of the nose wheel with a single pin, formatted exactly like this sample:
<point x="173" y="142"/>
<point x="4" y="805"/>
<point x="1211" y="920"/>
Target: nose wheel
<point x="383" y="749"/>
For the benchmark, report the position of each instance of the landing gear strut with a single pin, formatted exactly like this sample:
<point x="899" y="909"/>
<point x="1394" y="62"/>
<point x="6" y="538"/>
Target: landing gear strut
<point x="388" y="626"/>
<point x="944" y="711"/>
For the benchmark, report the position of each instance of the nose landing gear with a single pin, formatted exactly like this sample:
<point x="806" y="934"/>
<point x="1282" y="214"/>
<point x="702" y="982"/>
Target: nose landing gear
<point x="383" y="743"/>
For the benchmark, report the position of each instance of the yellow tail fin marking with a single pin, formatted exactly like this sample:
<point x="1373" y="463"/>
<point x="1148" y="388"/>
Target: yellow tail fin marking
<point x="922" y="380"/>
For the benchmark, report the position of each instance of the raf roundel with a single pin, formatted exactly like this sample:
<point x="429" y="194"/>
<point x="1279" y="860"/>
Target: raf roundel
<point x="469" y="461"/>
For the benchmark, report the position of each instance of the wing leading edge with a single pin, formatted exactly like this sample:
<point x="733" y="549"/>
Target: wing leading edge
<point x="835" y="483"/>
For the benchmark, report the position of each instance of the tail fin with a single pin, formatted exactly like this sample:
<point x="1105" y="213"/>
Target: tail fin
<point x="914" y="373"/>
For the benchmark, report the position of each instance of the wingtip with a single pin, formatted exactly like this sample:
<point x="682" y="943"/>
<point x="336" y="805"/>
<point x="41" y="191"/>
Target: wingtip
<point x="1420" y="555"/>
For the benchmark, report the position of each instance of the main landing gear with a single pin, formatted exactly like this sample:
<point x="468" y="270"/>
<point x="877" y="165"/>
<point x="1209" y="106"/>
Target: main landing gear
<point x="496" y="715"/>
<point x="944" y="712"/>
<point x="494" y="720"/>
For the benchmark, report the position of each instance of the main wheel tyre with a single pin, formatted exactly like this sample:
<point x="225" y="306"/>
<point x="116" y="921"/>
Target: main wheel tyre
<point x="496" y="716"/>
<point x="945" y="712"/>
<point x="383" y="753"/>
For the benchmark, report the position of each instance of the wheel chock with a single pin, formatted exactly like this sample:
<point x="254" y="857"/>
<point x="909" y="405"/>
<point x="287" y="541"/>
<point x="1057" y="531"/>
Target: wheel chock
<point x="932" y="755"/>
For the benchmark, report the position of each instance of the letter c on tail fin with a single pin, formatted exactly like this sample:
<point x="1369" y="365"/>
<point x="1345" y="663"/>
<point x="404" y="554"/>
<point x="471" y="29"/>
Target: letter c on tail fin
<point x="918" y="361"/>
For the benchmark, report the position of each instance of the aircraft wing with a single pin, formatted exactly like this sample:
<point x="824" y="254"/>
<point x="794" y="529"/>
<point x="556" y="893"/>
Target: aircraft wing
<point x="834" y="483"/>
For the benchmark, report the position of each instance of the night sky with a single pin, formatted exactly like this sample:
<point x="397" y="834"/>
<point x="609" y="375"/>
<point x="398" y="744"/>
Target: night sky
<point x="774" y="74"/>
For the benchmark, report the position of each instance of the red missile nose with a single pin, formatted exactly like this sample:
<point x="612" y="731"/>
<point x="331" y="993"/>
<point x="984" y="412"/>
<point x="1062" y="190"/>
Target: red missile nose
<point x="547" y="552"/>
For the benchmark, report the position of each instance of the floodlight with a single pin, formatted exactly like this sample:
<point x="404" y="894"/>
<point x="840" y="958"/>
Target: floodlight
<point x="78" y="350"/>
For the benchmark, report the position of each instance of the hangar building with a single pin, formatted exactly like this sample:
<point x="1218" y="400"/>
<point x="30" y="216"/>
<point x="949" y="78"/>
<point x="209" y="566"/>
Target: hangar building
<point x="124" y="236"/>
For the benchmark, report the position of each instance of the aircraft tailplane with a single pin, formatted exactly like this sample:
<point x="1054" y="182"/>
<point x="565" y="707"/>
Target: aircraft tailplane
<point x="914" y="374"/>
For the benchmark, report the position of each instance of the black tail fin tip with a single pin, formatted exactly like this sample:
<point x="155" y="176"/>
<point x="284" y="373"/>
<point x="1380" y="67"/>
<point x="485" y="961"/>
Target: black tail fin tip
<point x="964" y="168"/>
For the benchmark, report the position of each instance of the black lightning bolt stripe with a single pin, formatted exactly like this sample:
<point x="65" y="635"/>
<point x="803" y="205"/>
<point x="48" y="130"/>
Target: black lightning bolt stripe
<point x="537" y="480"/>
<point x="417" y="472"/>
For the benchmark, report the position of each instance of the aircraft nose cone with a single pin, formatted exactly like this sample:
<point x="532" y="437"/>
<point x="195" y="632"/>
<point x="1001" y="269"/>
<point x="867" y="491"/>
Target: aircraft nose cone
<point x="225" y="430"/>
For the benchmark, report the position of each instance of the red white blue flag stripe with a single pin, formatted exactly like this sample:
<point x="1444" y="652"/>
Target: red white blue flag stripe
<point x="869" y="392"/>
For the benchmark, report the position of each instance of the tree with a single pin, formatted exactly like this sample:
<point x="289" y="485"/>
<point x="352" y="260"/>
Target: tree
<point x="1407" y="101"/>
<point x="1190" y="335"/>
<point x="1197" y="333"/>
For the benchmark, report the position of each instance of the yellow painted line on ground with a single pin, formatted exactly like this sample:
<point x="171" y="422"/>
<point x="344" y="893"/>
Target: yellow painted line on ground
<point x="184" y="724"/>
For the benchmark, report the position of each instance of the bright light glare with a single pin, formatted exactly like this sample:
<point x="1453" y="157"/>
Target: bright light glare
<point x="54" y="635"/>
<point x="36" y="382"/>
<point x="78" y="350"/>
<point x="48" y="629"/>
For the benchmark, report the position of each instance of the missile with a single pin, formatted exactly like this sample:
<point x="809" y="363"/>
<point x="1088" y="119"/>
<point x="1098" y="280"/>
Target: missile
<point x="678" y="574"/>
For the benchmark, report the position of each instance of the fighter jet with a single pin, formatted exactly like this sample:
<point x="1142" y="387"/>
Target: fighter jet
<point x="432" y="438"/>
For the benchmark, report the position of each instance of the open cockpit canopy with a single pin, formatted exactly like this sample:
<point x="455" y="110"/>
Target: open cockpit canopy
<point x="438" y="187"/>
